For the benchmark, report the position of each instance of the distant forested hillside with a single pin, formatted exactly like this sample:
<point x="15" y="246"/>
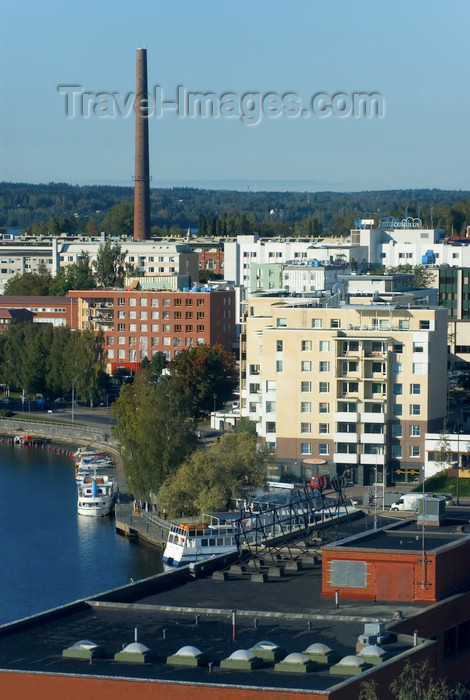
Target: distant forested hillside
<point x="59" y="207"/>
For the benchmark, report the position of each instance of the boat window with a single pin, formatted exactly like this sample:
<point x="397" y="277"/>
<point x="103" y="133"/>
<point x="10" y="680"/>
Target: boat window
<point x="220" y="541"/>
<point x="229" y="540"/>
<point x="212" y="542"/>
<point x="204" y="542"/>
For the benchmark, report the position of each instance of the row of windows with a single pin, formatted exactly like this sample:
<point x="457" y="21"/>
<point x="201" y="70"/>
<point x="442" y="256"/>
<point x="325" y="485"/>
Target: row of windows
<point x="378" y="323"/>
<point x="155" y="302"/>
<point x="323" y="449"/>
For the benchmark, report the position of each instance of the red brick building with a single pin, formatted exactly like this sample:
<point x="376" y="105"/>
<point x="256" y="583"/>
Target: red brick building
<point x="136" y="324"/>
<point x="210" y="255"/>
<point x="59" y="311"/>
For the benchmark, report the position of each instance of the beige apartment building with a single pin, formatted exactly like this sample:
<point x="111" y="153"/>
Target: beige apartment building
<point x="356" y="386"/>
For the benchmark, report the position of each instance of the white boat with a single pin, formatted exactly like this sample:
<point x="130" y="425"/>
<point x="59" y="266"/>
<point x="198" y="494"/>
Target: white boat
<point x="271" y="516"/>
<point x="191" y="542"/>
<point x="96" y="496"/>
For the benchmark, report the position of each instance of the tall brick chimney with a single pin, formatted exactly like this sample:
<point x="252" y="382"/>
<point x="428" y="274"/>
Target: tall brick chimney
<point x="142" y="168"/>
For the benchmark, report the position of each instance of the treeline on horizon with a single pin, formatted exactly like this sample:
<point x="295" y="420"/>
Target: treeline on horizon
<point x="62" y="208"/>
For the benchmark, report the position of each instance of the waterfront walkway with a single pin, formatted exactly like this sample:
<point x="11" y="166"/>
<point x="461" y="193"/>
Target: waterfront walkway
<point x="133" y="522"/>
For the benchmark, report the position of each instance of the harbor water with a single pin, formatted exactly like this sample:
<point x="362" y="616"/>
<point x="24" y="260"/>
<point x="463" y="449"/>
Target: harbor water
<point x="50" y="555"/>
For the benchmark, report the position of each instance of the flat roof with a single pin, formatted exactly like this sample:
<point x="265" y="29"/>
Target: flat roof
<point x="188" y="606"/>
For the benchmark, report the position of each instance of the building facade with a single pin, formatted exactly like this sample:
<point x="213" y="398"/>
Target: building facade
<point x="355" y="386"/>
<point x="137" y="324"/>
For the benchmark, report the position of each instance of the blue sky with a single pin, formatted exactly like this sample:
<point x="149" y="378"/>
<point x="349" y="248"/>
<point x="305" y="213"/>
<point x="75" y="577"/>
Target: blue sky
<point x="416" y="55"/>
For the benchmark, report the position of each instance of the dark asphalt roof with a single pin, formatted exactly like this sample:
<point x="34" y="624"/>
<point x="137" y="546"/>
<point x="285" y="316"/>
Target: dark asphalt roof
<point x="187" y="608"/>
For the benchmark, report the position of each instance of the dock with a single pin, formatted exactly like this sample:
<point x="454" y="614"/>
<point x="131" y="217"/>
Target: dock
<point x="134" y="522"/>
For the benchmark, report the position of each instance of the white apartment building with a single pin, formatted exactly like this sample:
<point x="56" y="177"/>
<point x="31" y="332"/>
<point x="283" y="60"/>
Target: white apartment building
<point x="356" y="386"/>
<point x="27" y="254"/>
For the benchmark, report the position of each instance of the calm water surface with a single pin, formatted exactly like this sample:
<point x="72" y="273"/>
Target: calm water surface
<point x="49" y="555"/>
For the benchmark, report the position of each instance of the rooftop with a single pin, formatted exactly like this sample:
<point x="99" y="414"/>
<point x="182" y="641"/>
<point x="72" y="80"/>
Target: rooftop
<point x="188" y="606"/>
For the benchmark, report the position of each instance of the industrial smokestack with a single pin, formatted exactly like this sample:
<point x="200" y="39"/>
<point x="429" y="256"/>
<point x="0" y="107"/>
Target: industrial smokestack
<point x="142" y="168"/>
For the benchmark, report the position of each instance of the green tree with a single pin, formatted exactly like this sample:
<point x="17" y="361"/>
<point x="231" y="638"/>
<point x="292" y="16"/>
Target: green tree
<point x="415" y="682"/>
<point x="154" y="430"/>
<point x="205" y="372"/>
<point x="120" y="220"/>
<point x="75" y="276"/>
<point x="109" y="266"/>
<point x="30" y="283"/>
<point x="26" y="354"/>
<point x="212" y="477"/>
<point x="423" y="277"/>
<point x="92" y="229"/>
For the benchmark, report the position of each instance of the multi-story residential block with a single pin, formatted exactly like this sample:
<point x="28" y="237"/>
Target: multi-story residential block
<point x="356" y="386"/>
<point x="136" y="324"/>
<point x="301" y="277"/>
<point x="152" y="257"/>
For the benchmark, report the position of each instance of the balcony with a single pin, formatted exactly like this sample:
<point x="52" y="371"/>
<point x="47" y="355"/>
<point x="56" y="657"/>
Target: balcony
<point x="372" y="417"/>
<point x="345" y="417"/>
<point x="346" y="437"/>
<point x="373" y="438"/>
<point x="373" y="459"/>
<point x="345" y="458"/>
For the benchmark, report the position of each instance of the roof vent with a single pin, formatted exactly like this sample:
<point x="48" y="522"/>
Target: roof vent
<point x="373" y="654"/>
<point x="295" y="663"/>
<point x="268" y="651"/>
<point x="135" y="653"/>
<point x="241" y="660"/>
<point x="349" y="666"/>
<point x="84" y="649"/>
<point x="320" y="653"/>
<point x="188" y="656"/>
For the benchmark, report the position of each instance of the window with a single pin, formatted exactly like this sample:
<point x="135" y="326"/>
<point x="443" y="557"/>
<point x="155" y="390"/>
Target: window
<point x="305" y="448"/>
<point x="324" y="366"/>
<point x="132" y="327"/>
<point x="323" y="428"/>
<point x="143" y="328"/>
<point x="415" y="409"/>
<point x="324" y="387"/>
<point x="279" y="345"/>
<point x="270" y="385"/>
<point x="132" y="302"/>
<point x="155" y="314"/>
<point x="188" y="328"/>
<point x="143" y="315"/>
<point x="305" y="387"/>
<point x="305" y="366"/>
<point x="316" y="323"/>
<point x="396" y="451"/>
<point x="270" y="427"/>
<point x="398" y="347"/>
<point x="305" y="407"/>
<point x="120" y="301"/>
<point x="166" y="327"/>
<point x="279" y="365"/>
<point x="270" y="406"/>
<point x="200" y="302"/>
<point x="415" y="388"/>
<point x="397" y="368"/>
<point x="305" y="345"/>
<point x="397" y="409"/>
<point x="165" y="314"/>
<point x="305" y="428"/>
<point x="419" y="368"/>
<point x="418" y="347"/>
<point x="121" y="326"/>
<point x="397" y="431"/>
<point x="415" y="430"/>
<point x="188" y="302"/>
<point x="200" y="328"/>
<point x="177" y="302"/>
<point x="397" y="389"/>
<point x="188" y="314"/>
<point x="155" y="327"/>
<point x="324" y="345"/>
<point x="425" y="325"/>
<point x="132" y="314"/>
<point x="200" y="314"/>
<point x="323" y="448"/>
<point x="166" y="302"/>
<point x="155" y="302"/>
<point x="414" y="451"/>
<point x="281" y="322"/>
<point x="323" y="407"/>
<point x="335" y="323"/>
<point x="143" y="301"/>
<point x="176" y="314"/>
<point x="378" y="367"/>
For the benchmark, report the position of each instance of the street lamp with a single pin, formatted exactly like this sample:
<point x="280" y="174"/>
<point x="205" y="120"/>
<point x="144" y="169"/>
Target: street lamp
<point x="73" y="391"/>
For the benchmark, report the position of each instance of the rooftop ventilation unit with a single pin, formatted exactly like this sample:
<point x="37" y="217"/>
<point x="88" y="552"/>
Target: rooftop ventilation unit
<point x="241" y="660"/>
<point x="295" y="663"/>
<point x="84" y="649"/>
<point x="188" y="656"/>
